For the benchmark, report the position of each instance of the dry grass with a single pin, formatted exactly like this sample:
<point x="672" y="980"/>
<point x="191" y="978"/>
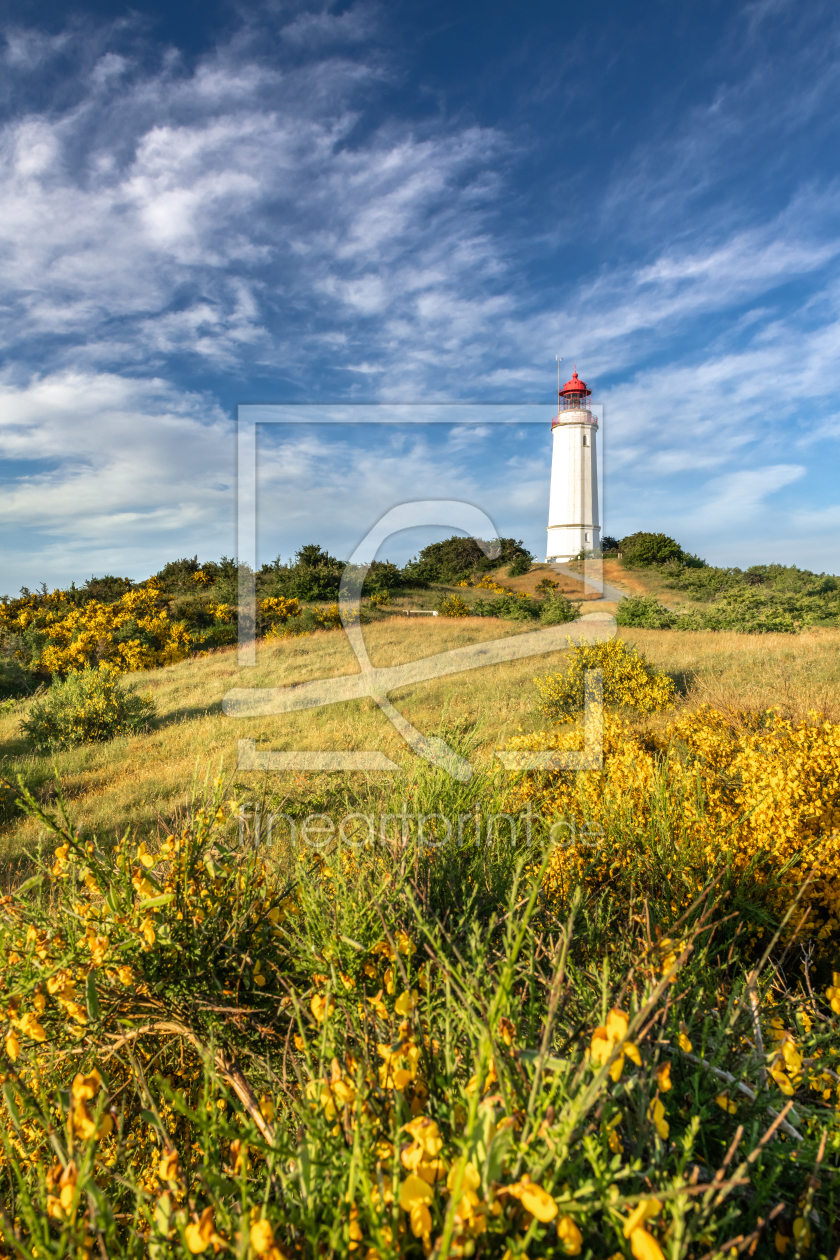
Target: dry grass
<point x="796" y="674"/>
<point x="150" y="776"/>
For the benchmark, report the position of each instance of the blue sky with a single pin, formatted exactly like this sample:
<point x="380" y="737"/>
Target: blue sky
<point x="209" y="204"/>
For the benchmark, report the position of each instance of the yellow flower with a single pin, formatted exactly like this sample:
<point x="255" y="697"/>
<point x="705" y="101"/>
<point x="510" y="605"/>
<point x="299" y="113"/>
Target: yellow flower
<point x="791" y="1056"/>
<point x="201" y="1233"/>
<point x="169" y="1168"/>
<point x="61" y="1207"/>
<point x="671" y="951"/>
<point x="781" y="1079"/>
<point x="406" y="1003"/>
<point x="470" y="1177"/>
<point x="425" y="1134"/>
<point x="534" y="1199"/>
<point x="74" y="1009"/>
<point x="684" y="1043"/>
<point x="725" y="1102"/>
<point x="31" y="1028"/>
<point x="354" y="1229"/>
<point x="126" y="975"/>
<point x="262" y="1237"/>
<point x="416" y="1161"/>
<point x="415" y="1196"/>
<point x="85" y="1124"/>
<point x="663" y="1077"/>
<point x="85" y="1087"/>
<point x="644" y="1246"/>
<point x="607" y="1039"/>
<point x="656" y="1113"/>
<point x="642" y="1212"/>
<point x="569" y="1236"/>
<point x="60" y="858"/>
<point x="802" y="1233"/>
<point x="319" y="1091"/>
<point x="267" y="1107"/>
<point x="321" y="1006"/>
<point x="507" y="1031"/>
<point x="833" y="992"/>
<point x="12" y="1045"/>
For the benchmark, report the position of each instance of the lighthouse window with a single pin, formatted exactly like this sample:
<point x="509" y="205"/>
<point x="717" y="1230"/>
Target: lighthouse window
<point x="585" y="440"/>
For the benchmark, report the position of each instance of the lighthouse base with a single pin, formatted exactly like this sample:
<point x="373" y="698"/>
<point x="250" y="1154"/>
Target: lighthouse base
<point x="566" y="542"/>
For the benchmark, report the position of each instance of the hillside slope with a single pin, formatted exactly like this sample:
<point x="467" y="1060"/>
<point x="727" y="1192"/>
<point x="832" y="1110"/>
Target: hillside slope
<point x="150" y="776"/>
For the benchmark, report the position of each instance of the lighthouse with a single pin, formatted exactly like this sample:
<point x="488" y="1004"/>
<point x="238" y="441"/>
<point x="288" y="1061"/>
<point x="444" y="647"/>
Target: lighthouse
<point x="573" y="521"/>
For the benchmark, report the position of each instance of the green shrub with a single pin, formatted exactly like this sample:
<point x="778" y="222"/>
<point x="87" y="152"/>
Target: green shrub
<point x="644" y="612"/>
<point x="643" y="549"/>
<point x="457" y="557"/>
<point x="87" y="707"/>
<point x="508" y="607"/>
<point x="556" y="609"/>
<point x="745" y="616"/>
<point x="14" y="679"/>
<point x="521" y="564"/>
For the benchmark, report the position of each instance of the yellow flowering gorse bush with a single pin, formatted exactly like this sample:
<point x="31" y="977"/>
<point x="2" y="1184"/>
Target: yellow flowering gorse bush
<point x="738" y="789"/>
<point x="628" y="681"/>
<point x="72" y="637"/>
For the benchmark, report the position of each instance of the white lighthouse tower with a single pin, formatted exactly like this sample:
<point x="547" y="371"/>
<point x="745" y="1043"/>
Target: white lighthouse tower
<point x="573" y="521"/>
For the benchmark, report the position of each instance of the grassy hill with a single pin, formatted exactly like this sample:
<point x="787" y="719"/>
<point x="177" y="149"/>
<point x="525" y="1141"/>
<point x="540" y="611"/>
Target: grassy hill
<point x="147" y="777"/>
<point x="760" y="599"/>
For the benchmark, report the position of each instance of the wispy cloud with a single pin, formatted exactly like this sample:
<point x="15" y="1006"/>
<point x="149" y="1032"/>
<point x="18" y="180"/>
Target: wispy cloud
<point x="175" y="232"/>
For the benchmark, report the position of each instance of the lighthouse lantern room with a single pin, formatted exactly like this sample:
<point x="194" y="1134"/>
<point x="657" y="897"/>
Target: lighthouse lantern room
<point x="573" y="520"/>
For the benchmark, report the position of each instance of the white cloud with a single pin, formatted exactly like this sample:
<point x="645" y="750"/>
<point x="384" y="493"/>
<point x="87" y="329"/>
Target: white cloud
<point x="112" y="467"/>
<point x="200" y="212"/>
<point x="737" y="498"/>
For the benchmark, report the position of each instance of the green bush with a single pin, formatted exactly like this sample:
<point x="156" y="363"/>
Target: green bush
<point x="509" y="607"/>
<point x="14" y="679"/>
<point x="86" y="707"/>
<point x="521" y="564"/>
<point x="643" y="550"/>
<point x="644" y="612"/>
<point x="556" y="609"/>
<point x="457" y="557"/>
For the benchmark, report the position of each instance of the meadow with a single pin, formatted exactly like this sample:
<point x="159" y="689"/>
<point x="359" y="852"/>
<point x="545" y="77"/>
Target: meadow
<point x="149" y="777"/>
<point x="534" y="1013"/>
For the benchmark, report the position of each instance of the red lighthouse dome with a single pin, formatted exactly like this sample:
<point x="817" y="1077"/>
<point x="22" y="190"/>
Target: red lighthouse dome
<point x="573" y="395"/>
<point x="575" y="388"/>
